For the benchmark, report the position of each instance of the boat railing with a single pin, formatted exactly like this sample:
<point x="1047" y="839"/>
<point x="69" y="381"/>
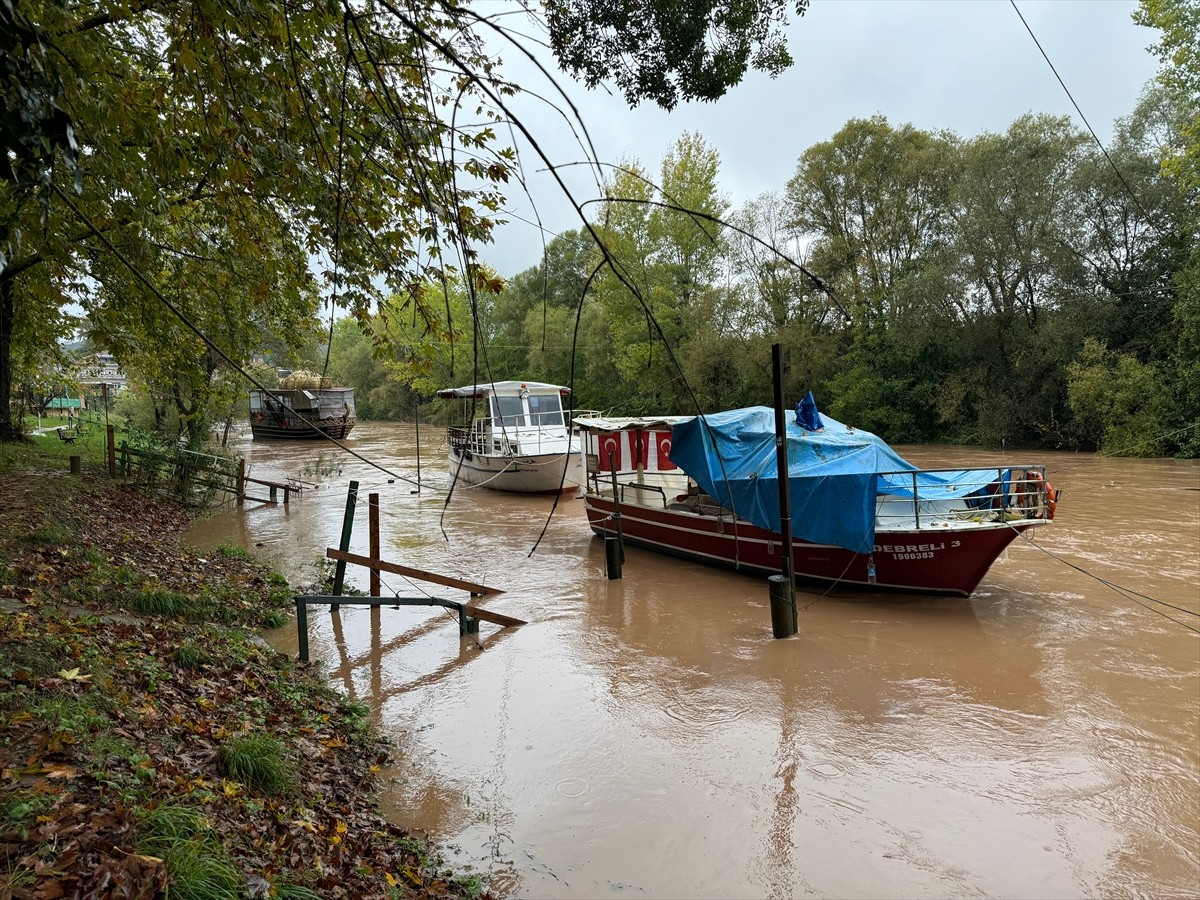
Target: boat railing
<point x="486" y="437"/>
<point x="469" y="438"/>
<point x="641" y="486"/>
<point x="942" y="496"/>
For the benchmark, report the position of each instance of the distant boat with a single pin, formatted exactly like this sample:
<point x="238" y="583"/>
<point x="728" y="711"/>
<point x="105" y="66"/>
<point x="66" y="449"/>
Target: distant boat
<point x="706" y="489"/>
<point x="513" y="436"/>
<point x="303" y="408"/>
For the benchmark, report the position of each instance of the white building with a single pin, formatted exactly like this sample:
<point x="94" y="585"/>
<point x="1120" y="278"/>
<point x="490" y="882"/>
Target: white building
<point x="103" y="369"/>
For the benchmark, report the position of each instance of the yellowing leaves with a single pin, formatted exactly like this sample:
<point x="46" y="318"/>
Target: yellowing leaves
<point x="340" y="831"/>
<point x="186" y="60"/>
<point x="73" y="675"/>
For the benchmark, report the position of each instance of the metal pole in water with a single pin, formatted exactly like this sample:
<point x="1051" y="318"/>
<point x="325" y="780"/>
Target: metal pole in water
<point x="783" y="606"/>
<point x="417" y="420"/>
<point x="302" y="629"/>
<point x="612" y="556"/>
<point x="614" y="545"/>
<point x="786" y="580"/>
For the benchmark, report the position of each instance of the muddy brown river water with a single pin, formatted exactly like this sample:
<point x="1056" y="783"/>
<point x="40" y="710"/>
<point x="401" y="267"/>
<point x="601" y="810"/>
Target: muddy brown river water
<point x="647" y="736"/>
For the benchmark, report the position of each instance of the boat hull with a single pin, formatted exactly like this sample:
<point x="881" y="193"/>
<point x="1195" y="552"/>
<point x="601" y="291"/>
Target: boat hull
<point x="546" y="474"/>
<point x="945" y="561"/>
<point x="268" y="428"/>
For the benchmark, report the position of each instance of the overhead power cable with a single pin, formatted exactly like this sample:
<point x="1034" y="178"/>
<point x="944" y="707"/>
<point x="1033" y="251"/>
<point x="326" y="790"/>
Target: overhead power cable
<point x="1137" y="200"/>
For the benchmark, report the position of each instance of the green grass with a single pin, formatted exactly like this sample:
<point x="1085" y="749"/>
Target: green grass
<point x="19" y="812"/>
<point x="197" y="866"/>
<point x="75" y="716"/>
<point x="294" y="892"/>
<point x="168" y="823"/>
<point x="49" y="536"/>
<point x="471" y="886"/>
<point x="232" y="551"/>
<point x="198" y="872"/>
<point x="274" y="619"/>
<point x="107" y="747"/>
<point x="158" y="602"/>
<point x="189" y="656"/>
<point x="254" y="760"/>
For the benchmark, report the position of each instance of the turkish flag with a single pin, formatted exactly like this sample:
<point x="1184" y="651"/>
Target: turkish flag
<point x="609" y="450"/>
<point x="659" y="458"/>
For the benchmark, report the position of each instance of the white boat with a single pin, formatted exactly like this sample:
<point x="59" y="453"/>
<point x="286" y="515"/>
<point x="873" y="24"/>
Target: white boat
<point x="513" y="436"/>
<point x="706" y="489"/>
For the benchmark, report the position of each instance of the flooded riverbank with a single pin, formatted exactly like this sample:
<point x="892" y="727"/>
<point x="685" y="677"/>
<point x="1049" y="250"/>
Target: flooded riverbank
<point x="648" y="735"/>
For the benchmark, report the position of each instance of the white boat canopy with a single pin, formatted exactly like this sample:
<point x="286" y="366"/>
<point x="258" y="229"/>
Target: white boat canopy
<point x="638" y="423"/>
<point x="511" y="388"/>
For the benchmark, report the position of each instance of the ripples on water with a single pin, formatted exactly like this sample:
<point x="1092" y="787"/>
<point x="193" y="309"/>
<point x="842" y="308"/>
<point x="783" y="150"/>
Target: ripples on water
<point x="648" y="736"/>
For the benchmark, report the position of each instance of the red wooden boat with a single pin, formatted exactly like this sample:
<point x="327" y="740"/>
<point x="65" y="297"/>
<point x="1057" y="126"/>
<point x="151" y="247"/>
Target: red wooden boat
<point x="701" y="488"/>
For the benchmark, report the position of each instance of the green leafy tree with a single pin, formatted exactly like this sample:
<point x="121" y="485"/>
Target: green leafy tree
<point x="665" y="51"/>
<point x="518" y="323"/>
<point x="876" y="200"/>
<point x="1018" y="226"/>
<point x="1116" y="401"/>
<point x="1178" y="22"/>
<point x="663" y="265"/>
<point x="308" y="131"/>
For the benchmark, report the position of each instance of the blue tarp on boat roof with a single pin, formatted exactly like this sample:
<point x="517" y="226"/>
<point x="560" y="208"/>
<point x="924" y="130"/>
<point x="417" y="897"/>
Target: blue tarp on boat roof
<point x="834" y="475"/>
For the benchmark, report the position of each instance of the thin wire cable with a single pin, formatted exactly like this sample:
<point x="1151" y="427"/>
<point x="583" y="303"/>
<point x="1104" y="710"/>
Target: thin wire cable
<point x="1127" y="593"/>
<point x="1137" y="200"/>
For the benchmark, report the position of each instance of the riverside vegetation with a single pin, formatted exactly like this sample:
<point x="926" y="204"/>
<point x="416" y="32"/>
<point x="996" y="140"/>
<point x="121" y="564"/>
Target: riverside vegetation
<point x="151" y="745"/>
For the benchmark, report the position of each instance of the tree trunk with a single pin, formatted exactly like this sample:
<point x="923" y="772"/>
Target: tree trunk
<point x="8" y="431"/>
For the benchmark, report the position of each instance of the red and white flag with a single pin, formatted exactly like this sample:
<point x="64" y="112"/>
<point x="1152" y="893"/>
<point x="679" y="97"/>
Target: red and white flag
<point x="625" y="450"/>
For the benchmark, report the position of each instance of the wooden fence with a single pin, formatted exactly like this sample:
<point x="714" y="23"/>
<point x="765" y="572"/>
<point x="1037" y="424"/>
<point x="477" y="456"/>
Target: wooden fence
<point x="190" y="477"/>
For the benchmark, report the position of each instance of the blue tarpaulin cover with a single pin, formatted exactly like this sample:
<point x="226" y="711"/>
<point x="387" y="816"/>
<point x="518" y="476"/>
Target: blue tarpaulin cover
<point x="834" y="474"/>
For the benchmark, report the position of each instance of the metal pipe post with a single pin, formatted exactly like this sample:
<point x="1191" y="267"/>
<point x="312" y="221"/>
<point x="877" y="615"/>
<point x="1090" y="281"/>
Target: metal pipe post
<point x="785" y="508"/>
<point x="339" y="573"/>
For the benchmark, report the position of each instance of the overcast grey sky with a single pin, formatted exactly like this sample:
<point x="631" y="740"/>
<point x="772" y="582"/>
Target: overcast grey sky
<point x="968" y="66"/>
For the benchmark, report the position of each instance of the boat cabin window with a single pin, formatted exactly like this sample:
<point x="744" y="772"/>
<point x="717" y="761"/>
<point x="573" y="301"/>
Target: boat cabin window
<point x="545" y="410"/>
<point x="507" y="411"/>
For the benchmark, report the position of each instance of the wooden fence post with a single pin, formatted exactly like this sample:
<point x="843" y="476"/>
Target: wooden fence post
<point x="241" y="482"/>
<point x="110" y="445"/>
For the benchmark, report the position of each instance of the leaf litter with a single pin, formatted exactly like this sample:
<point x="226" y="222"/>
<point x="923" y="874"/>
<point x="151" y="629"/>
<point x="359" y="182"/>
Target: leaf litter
<point x="115" y="720"/>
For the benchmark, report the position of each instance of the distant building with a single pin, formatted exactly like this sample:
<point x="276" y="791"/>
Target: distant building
<point x="60" y="405"/>
<point x="103" y="369"/>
